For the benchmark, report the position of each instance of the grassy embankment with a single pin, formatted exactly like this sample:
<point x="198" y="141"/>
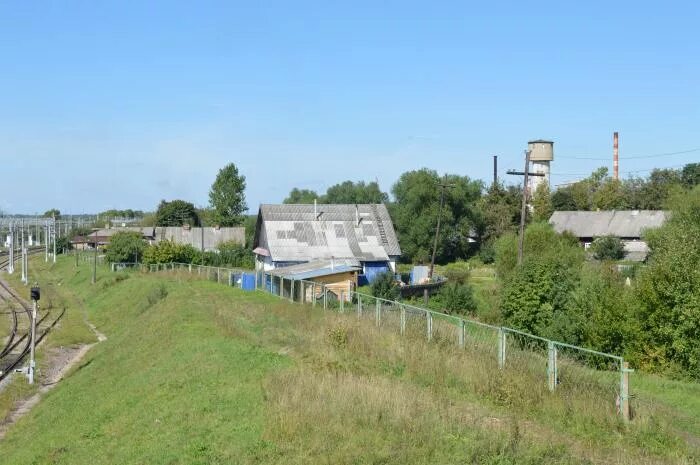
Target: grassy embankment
<point x="198" y="373"/>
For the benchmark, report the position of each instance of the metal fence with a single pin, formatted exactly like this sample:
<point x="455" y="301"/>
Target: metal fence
<point x="557" y="360"/>
<point x="222" y="275"/>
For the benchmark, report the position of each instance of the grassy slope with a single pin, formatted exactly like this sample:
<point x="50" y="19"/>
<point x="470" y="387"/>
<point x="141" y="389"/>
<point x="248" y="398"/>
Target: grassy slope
<point x="195" y="372"/>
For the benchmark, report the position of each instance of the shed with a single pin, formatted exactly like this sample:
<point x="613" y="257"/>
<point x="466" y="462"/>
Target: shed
<point x="339" y="276"/>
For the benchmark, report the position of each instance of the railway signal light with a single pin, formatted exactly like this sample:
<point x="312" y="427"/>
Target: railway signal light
<point x="35" y="293"/>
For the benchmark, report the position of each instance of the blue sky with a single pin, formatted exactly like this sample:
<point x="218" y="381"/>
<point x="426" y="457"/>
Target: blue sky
<point x="118" y="105"/>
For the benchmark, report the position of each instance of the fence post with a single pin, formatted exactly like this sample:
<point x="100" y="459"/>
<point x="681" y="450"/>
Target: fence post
<point x="429" y="324"/>
<point x="313" y="295"/>
<point x="359" y="305"/>
<point x="461" y="333"/>
<point x="625" y="390"/>
<point x="501" y="348"/>
<point x="325" y="296"/>
<point x="551" y="366"/>
<point x="302" y="299"/>
<point x="190" y="268"/>
<point x="342" y="302"/>
<point x="403" y="320"/>
<point x="281" y="286"/>
<point x="378" y="312"/>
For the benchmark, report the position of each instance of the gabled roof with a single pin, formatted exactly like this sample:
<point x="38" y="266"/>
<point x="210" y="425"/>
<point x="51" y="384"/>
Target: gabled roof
<point x="620" y="223"/>
<point x="317" y="268"/>
<point x="304" y="232"/>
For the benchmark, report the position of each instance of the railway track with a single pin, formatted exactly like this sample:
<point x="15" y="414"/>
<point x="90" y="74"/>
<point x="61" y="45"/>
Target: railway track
<point x="18" y="344"/>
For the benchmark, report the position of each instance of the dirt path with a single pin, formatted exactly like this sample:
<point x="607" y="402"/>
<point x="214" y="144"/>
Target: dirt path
<point x="60" y="361"/>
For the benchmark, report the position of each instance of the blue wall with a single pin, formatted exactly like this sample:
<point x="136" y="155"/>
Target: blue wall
<point x="372" y="269"/>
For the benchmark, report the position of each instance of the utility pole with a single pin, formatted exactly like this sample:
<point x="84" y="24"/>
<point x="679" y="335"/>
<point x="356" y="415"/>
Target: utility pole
<point x="443" y="185"/>
<point x="46" y="241"/>
<point x="35" y="295"/>
<point x="54" y="239"/>
<point x="11" y="264"/>
<point x="523" y="210"/>
<point x="94" y="262"/>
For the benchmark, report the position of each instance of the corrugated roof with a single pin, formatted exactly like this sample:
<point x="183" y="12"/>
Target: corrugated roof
<point x="304" y="232"/>
<point x="317" y="268"/>
<point x="620" y="223"/>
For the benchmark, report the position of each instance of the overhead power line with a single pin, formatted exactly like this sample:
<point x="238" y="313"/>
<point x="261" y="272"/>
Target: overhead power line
<point x="632" y="157"/>
<point x="625" y="172"/>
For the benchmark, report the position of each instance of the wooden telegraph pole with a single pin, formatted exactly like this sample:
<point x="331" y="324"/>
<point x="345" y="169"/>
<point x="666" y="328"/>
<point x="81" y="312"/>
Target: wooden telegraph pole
<point x="523" y="210"/>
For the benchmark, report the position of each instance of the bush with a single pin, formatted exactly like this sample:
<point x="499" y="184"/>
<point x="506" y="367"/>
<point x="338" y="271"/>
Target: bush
<point x="384" y="286"/>
<point x="169" y="252"/>
<point x="457" y="272"/>
<point x="608" y="248"/>
<point x="456" y="298"/>
<point x="125" y="246"/>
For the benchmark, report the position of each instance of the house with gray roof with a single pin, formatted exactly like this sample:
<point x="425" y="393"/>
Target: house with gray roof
<point x="628" y="225"/>
<point x="287" y="235"/>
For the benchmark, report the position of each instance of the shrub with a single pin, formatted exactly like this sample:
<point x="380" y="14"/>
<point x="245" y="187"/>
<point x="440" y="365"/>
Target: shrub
<point x="457" y="272"/>
<point x="384" y="286"/>
<point x="125" y="246"/>
<point x="608" y="248"/>
<point x="457" y="298"/>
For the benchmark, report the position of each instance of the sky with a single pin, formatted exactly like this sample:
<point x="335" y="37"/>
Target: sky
<point x="121" y="104"/>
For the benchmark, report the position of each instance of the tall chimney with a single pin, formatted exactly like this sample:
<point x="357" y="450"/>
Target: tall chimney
<point x="495" y="169"/>
<point x="616" y="158"/>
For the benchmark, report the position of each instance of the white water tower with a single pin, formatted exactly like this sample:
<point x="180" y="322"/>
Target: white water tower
<point x="541" y="154"/>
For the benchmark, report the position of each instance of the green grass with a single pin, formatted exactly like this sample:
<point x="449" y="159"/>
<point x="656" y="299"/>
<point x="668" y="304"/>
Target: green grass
<point x="199" y="373"/>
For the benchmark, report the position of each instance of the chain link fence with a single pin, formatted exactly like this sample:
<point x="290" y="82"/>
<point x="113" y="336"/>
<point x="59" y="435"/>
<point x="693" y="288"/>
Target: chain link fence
<point x="562" y="365"/>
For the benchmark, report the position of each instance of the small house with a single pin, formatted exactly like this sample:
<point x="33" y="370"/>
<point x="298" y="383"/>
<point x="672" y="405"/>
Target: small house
<point x="290" y="235"/>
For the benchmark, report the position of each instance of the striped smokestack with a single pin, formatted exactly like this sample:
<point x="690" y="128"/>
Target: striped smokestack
<point x="616" y="157"/>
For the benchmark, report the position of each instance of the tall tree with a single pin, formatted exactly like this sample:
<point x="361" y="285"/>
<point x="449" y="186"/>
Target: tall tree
<point x="416" y="210"/>
<point x="656" y="191"/>
<point x="359" y="192"/>
<point x="227" y="197"/>
<point x="669" y="290"/>
<point x="176" y="213"/>
<point x="301" y="196"/>
<point x="691" y="175"/>
<point x="542" y="203"/>
<point x="53" y="213"/>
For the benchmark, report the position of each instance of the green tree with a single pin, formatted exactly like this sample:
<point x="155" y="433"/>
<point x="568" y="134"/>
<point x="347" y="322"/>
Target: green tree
<point x="416" y="208"/>
<point x="669" y="291"/>
<point x="351" y="192"/>
<point x="53" y="213"/>
<point x="563" y="199"/>
<point x="658" y="188"/>
<point x="301" y="196"/>
<point x="608" y="248"/>
<point x="610" y="195"/>
<point x="690" y="176"/>
<point x="542" y="203"/>
<point x="227" y="197"/>
<point x="125" y="246"/>
<point x="498" y="211"/>
<point x="176" y="213"/>
<point x="536" y="294"/>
